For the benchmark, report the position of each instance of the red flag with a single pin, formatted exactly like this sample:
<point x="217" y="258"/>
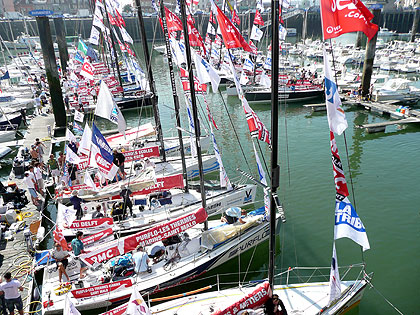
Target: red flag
<point x="129" y="50"/>
<point x="195" y="38"/>
<point x="235" y="18"/>
<point x="251" y="44"/>
<point x="345" y="16"/>
<point x="59" y="238"/>
<point x="119" y="17"/>
<point x="258" y="18"/>
<point x="231" y="35"/>
<point x="339" y="178"/>
<point x="173" y="22"/>
<point x="112" y="20"/>
<point x="122" y="47"/>
<point x="211" y="19"/>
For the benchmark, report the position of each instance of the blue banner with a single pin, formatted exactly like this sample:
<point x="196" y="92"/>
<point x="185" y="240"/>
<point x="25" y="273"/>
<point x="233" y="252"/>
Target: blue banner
<point x="99" y="141"/>
<point x="5" y="76"/>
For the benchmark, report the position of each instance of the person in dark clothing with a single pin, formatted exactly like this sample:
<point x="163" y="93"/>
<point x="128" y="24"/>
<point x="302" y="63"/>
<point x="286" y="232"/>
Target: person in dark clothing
<point x="119" y="160"/>
<point x="23" y="113"/>
<point x="67" y="102"/>
<point x="125" y="195"/>
<point x="72" y="172"/>
<point x="77" y="204"/>
<point x="274" y="306"/>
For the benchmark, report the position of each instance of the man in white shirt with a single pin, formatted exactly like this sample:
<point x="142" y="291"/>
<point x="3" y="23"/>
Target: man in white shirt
<point x="12" y="297"/>
<point x="141" y="260"/>
<point x="61" y="259"/>
<point x="38" y="178"/>
<point x="30" y="184"/>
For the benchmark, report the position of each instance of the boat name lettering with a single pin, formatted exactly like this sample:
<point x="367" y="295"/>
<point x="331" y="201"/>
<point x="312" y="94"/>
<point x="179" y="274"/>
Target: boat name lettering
<point x="216" y="205"/>
<point x="250" y="243"/>
<point x="108" y="254"/>
<point x="183" y="221"/>
<point x="253" y="299"/>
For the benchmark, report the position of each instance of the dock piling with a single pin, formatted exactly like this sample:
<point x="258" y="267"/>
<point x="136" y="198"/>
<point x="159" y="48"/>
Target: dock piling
<point x="62" y="44"/>
<point x="415" y="24"/>
<point x="51" y="71"/>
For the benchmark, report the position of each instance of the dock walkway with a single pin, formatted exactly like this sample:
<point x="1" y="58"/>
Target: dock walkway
<point x="14" y="256"/>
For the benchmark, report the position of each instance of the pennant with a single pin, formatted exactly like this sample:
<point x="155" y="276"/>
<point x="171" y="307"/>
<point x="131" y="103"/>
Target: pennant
<point x="102" y="154"/>
<point x="82" y="46"/>
<point x="258" y="20"/>
<point x="206" y="72"/>
<point x="172" y="21"/>
<point x="336" y="116"/>
<point x="231" y="35"/>
<point x="335" y="283"/>
<point x="256" y="33"/>
<point x="77" y="128"/>
<point x="340" y="17"/>
<point x="78" y="57"/>
<point x="112" y="20"/>
<point x="224" y="179"/>
<point x="248" y="65"/>
<point x="94" y="36"/>
<point x="79" y="116"/>
<point x="86" y="141"/>
<point x="87" y="180"/>
<point x="347" y="222"/>
<point x="137" y="305"/>
<point x="282" y="32"/>
<point x="69" y="308"/>
<point x="93" y="55"/>
<point x="70" y="136"/>
<point x="108" y="109"/>
<point x="87" y="70"/>
<point x="235" y="18"/>
<point x="119" y="18"/>
<point x="71" y="157"/>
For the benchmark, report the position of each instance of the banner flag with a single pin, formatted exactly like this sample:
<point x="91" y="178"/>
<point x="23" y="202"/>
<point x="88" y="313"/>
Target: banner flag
<point x="82" y="46"/>
<point x="86" y="141"/>
<point x="224" y="179"/>
<point x="336" y="116"/>
<point x="206" y="72"/>
<point x="340" y="17"/>
<point x="335" y="283"/>
<point x="258" y="20"/>
<point x="87" y="70"/>
<point x="94" y="36"/>
<point x="256" y="33"/>
<point x="78" y="116"/>
<point x="102" y="154"/>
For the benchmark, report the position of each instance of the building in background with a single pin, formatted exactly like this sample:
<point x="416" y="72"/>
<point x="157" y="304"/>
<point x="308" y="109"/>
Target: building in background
<point x="58" y="6"/>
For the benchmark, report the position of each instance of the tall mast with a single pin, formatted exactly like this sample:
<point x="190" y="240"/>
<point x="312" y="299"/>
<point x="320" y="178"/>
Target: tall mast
<point x="151" y="81"/>
<point x="174" y="93"/>
<point x="194" y="106"/>
<point x="113" y="48"/>
<point x="274" y="133"/>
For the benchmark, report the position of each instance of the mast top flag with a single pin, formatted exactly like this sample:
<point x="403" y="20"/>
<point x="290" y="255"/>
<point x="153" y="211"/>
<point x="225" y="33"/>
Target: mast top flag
<point x="346" y="16"/>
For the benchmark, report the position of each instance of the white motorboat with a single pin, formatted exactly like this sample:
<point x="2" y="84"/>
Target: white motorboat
<point x="397" y="89"/>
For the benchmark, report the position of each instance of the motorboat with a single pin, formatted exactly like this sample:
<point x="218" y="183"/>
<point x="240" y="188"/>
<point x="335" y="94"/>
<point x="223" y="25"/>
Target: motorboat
<point x="397" y="89"/>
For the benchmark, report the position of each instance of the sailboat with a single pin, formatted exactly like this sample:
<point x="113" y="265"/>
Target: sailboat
<point x="308" y="297"/>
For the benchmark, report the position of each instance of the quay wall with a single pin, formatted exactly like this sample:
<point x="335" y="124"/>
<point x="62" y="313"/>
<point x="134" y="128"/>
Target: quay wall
<point x="400" y="21"/>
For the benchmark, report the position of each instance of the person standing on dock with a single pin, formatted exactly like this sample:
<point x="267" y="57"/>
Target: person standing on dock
<point x="11" y="289"/>
<point x="38" y="178"/>
<point x="34" y="153"/>
<point x="29" y="180"/>
<point x="53" y="167"/>
<point x="61" y="161"/>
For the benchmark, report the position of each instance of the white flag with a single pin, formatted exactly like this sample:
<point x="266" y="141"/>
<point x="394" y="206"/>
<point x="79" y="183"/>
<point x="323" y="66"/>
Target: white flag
<point x="70" y="136"/>
<point x="78" y="116"/>
<point x="86" y="141"/>
<point x="248" y="65"/>
<point x="224" y="179"/>
<point x="265" y="80"/>
<point x="256" y="33"/>
<point x="244" y="78"/>
<point x="284" y="4"/>
<point x="126" y="37"/>
<point x="137" y="305"/>
<point x="336" y="116"/>
<point x="71" y="157"/>
<point x="69" y="308"/>
<point x="87" y="180"/>
<point x="348" y="224"/>
<point x="68" y="214"/>
<point x="205" y="72"/>
<point x="210" y="29"/>
<point x="94" y="36"/>
<point x="87" y="70"/>
<point x="335" y="283"/>
<point x="282" y="32"/>
<point x="108" y="109"/>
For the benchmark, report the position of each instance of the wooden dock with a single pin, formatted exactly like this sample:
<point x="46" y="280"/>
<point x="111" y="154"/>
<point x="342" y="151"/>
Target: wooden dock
<point x="14" y="256"/>
<point x="321" y="107"/>
<point x="385" y="108"/>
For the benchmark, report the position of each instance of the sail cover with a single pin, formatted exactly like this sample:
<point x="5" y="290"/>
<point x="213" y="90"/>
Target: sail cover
<point x="144" y="238"/>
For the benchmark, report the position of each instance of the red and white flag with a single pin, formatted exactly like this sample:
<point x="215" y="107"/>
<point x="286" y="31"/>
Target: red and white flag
<point x="59" y="238"/>
<point x="346" y="16"/>
<point x="258" y="18"/>
<point x="87" y="70"/>
<point x="231" y="35"/>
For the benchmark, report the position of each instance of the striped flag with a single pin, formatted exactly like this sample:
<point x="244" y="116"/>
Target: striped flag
<point x="335" y="283"/>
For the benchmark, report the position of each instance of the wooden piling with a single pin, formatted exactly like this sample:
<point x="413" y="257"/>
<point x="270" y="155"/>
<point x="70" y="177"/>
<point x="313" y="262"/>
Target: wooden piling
<point x="415" y="23"/>
<point x="370" y="56"/>
<point x="62" y="43"/>
<point x="51" y="71"/>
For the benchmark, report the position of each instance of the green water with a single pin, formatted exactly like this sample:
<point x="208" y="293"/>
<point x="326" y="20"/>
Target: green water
<point x="385" y="172"/>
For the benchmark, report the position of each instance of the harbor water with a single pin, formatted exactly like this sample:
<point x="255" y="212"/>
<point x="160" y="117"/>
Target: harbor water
<point x="384" y="188"/>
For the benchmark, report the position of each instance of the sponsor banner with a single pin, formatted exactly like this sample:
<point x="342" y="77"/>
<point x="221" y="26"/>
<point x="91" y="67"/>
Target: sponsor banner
<point x="165" y="230"/>
<point x="117" y="311"/>
<point x="101" y="289"/>
<point x="257" y="298"/>
<point x="97" y="236"/>
<point x="147" y="237"/>
<point x="92" y="223"/>
<point x="139" y="154"/>
<point x="163" y="184"/>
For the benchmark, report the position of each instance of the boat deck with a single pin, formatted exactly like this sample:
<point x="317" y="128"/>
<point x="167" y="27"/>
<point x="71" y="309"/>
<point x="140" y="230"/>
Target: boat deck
<point x="14" y="256"/>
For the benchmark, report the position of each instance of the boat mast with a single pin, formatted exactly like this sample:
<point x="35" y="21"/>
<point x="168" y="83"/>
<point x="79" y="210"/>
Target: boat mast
<point x="174" y="93"/>
<point x="274" y="134"/>
<point x="194" y="105"/>
<point x="151" y="81"/>
<point x="113" y="48"/>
